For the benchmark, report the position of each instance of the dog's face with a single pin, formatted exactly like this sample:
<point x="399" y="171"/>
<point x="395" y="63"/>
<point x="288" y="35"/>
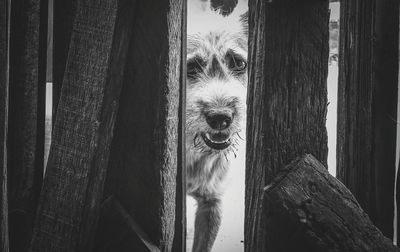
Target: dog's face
<point x="216" y="91"/>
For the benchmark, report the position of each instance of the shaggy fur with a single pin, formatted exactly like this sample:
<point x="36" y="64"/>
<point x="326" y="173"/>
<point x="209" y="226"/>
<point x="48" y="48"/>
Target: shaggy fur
<point x="215" y="118"/>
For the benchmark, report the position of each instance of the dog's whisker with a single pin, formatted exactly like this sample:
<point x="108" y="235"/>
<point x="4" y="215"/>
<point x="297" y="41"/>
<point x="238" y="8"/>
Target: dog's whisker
<point x="237" y="133"/>
<point x="234" y="147"/>
<point x="226" y="156"/>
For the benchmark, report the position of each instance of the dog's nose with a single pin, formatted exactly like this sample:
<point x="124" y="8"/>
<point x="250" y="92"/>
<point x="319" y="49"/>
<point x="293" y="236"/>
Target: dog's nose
<point x="219" y="121"/>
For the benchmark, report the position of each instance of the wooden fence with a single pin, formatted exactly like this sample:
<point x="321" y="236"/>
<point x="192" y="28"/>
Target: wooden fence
<point x="115" y="176"/>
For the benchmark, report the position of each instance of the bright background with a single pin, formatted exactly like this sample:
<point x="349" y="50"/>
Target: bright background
<point x="230" y="237"/>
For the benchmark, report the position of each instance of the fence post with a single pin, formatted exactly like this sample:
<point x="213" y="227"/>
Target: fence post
<point x="73" y="185"/>
<point x="287" y="97"/>
<point x="28" y="24"/>
<point x="4" y="87"/>
<point x="147" y="151"/>
<point x="367" y="105"/>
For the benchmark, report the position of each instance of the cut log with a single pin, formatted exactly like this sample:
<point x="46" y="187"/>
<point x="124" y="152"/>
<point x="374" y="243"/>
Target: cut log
<point x="310" y="210"/>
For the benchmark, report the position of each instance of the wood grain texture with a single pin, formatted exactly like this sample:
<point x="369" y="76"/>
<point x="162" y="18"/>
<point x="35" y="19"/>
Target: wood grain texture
<point x="287" y="97"/>
<point x="4" y="89"/>
<point x="26" y="117"/>
<point x="309" y="210"/>
<point x="367" y="105"/>
<point x="146" y="154"/>
<point x="73" y="185"/>
<point x="179" y="243"/>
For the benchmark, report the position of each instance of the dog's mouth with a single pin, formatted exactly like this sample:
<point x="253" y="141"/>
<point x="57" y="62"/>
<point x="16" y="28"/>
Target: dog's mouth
<point x="217" y="141"/>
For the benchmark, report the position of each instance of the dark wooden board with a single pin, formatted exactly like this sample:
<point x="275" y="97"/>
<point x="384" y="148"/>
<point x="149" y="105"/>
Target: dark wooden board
<point x="287" y="97"/>
<point x="367" y="105"/>
<point x="28" y="29"/>
<point x="73" y="186"/>
<point x="145" y="168"/>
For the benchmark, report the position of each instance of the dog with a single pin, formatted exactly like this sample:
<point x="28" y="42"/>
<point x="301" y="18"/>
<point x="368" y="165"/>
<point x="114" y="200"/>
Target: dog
<point x="215" y="118"/>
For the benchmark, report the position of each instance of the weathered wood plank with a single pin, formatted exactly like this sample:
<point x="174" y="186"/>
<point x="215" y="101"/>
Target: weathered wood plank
<point x="73" y="185"/>
<point x="179" y="243"/>
<point x="367" y="105"/>
<point x="4" y="87"/>
<point x="309" y="210"/>
<point x="287" y="97"/>
<point x="26" y="118"/>
<point x="63" y="18"/>
<point x="147" y="152"/>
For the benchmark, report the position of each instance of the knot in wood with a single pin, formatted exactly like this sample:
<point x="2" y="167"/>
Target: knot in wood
<point x="313" y="187"/>
<point x="301" y="215"/>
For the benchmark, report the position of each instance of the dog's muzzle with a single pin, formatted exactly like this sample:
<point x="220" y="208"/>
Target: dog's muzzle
<point x="217" y="141"/>
<point x="219" y="122"/>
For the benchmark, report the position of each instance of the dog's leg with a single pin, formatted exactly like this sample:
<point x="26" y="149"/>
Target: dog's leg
<point x="208" y="220"/>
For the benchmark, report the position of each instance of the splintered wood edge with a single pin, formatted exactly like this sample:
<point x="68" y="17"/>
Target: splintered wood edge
<point x="307" y="159"/>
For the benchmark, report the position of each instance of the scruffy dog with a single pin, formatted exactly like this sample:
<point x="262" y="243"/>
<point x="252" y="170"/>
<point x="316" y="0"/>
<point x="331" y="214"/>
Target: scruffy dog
<point x="215" y="117"/>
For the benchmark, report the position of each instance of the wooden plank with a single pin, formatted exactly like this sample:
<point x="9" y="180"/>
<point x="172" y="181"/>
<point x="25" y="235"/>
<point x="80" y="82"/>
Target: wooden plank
<point x="309" y="210"/>
<point x="147" y="151"/>
<point x="26" y="118"/>
<point x="287" y="97"/>
<point x="179" y="243"/>
<point x="367" y="105"/>
<point x="63" y="18"/>
<point x="4" y="87"/>
<point x="73" y="186"/>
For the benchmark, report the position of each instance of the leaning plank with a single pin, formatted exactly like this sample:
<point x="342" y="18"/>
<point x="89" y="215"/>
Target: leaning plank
<point x="73" y="185"/>
<point x="287" y="96"/>
<point x="309" y="210"/>
<point x="367" y="105"/>
<point x="147" y="150"/>
<point x="4" y="87"/>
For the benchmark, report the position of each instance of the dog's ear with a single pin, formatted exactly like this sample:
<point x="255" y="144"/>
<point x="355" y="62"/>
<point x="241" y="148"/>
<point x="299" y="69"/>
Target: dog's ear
<point x="244" y="20"/>
<point x="224" y="7"/>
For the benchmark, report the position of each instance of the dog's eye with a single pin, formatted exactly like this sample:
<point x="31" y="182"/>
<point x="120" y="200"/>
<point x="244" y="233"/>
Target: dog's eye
<point x="237" y="65"/>
<point x="194" y="67"/>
